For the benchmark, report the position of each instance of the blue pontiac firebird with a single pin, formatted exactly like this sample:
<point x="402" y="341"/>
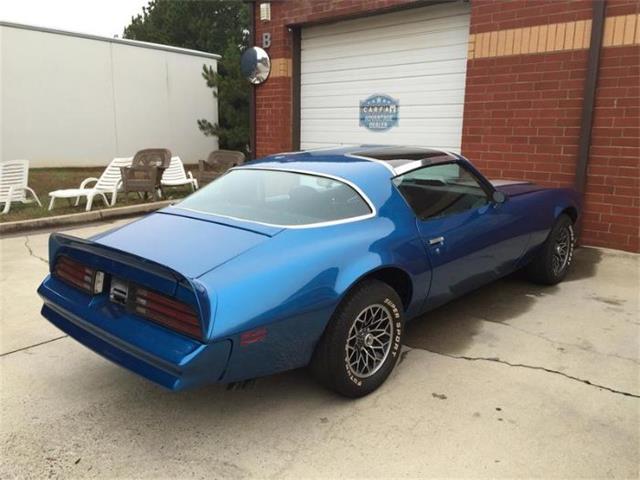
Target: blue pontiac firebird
<point x="312" y="258"/>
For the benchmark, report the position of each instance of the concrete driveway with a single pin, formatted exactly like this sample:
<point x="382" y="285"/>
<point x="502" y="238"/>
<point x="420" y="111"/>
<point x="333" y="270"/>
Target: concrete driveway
<point x="513" y="380"/>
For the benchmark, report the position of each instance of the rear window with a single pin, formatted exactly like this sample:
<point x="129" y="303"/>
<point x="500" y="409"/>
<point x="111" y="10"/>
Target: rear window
<point x="278" y="198"/>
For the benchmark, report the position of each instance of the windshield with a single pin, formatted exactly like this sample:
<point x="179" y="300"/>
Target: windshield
<point x="278" y="198"/>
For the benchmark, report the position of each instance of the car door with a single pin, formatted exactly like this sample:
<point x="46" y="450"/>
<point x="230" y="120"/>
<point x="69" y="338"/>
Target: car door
<point x="462" y="228"/>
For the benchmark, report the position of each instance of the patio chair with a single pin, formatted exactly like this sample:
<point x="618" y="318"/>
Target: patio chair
<point x="108" y="183"/>
<point x="145" y="172"/>
<point x="175" y="175"/>
<point x="216" y="163"/>
<point x="14" y="179"/>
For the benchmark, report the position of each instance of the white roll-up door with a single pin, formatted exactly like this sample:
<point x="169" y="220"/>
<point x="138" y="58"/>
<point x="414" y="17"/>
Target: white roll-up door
<point x="416" y="57"/>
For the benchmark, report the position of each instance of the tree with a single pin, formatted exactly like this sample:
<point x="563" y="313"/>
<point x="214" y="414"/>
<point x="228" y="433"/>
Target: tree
<point x="232" y="91"/>
<point x="215" y="26"/>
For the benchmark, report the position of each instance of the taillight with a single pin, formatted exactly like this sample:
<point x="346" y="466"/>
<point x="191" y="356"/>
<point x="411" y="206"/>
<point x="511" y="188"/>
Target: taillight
<point x="166" y="311"/>
<point x="79" y="275"/>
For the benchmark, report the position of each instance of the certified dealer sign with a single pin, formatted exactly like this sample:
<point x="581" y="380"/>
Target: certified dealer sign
<point x="379" y="112"/>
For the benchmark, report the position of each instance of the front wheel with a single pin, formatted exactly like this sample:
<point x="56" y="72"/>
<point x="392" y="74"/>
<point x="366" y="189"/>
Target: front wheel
<point x="552" y="263"/>
<point x="362" y="342"/>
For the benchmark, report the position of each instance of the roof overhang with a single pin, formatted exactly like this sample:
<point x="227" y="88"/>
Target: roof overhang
<point x="121" y="41"/>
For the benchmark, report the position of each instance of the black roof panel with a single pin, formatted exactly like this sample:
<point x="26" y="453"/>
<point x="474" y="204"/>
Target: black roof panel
<point x="398" y="157"/>
<point x="395" y="154"/>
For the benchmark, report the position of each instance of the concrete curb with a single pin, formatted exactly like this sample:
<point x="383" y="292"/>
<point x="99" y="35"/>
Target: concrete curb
<point x="79" y="218"/>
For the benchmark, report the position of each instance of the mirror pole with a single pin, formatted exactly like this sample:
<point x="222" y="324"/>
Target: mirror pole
<point x="252" y="93"/>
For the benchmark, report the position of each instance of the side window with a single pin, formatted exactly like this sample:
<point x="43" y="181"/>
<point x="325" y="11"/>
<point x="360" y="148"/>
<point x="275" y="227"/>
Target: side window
<point x="441" y="190"/>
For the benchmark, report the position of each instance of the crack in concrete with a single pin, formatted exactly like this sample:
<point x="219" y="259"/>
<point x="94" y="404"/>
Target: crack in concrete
<point x="533" y="367"/>
<point x="557" y="342"/>
<point x="30" y="250"/>
<point x="32" y="346"/>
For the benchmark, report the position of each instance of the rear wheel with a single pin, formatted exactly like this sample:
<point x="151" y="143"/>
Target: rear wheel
<point x="552" y="263"/>
<point x="362" y="342"/>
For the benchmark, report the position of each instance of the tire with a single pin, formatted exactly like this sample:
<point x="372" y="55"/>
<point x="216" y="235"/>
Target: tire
<point x="552" y="262"/>
<point x="335" y="362"/>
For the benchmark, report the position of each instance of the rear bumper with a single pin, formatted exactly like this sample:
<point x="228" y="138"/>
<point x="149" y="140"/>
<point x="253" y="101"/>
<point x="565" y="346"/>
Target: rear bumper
<point x="164" y="357"/>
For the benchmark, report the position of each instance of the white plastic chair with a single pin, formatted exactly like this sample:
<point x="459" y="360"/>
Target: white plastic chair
<point x="14" y="177"/>
<point x="108" y="183"/>
<point x="175" y="176"/>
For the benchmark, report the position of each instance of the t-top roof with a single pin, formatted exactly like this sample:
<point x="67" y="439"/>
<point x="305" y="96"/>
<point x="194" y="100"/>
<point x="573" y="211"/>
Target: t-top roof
<point x="368" y="166"/>
<point x="396" y="159"/>
<point x="394" y="153"/>
<point x="404" y="159"/>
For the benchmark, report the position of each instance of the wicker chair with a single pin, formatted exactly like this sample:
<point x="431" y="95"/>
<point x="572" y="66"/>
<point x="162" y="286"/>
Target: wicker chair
<point x="219" y="161"/>
<point x="145" y="173"/>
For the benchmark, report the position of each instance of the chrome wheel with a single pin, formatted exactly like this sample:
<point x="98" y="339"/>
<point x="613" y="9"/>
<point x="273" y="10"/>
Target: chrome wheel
<point x="562" y="251"/>
<point x="369" y="340"/>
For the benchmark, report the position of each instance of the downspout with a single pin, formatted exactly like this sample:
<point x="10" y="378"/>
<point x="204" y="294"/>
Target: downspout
<point x="252" y="94"/>
<point x="295" y="90"/>
<point x="584" y="146"/>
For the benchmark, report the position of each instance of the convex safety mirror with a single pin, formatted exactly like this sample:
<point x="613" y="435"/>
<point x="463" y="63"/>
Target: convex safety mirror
<point x="255" y="65"/>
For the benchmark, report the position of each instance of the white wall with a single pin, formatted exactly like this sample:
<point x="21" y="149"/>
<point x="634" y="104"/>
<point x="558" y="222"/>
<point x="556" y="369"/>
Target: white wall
<point x="70" y="100"/>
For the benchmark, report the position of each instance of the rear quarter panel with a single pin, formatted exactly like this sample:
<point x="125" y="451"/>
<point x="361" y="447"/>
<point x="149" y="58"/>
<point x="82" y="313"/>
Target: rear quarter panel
<point x="292" y="284"/>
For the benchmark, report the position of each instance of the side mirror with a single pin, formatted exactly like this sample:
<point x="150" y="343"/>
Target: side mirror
<point x="498" y="197"/>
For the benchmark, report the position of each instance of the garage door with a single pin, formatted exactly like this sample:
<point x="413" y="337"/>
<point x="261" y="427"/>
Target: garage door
<point x="396" y="78"/>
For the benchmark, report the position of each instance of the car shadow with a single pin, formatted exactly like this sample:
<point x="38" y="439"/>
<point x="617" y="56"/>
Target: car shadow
<point x="452" y="327"/>
<point x="585" y="263"/>
<point x="283" y="395"/>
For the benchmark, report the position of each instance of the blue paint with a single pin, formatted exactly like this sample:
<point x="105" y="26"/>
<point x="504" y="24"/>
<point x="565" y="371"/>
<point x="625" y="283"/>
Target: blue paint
<point x="241" y="275"/>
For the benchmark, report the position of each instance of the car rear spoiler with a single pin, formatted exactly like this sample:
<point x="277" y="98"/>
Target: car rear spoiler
<point x="132" y="267"/>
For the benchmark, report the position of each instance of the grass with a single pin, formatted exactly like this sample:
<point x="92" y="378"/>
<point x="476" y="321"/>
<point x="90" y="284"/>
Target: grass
<point x="45" y="180"/>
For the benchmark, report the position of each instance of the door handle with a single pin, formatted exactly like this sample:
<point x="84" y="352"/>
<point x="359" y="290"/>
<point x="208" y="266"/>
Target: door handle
<point x="436" y="241"/>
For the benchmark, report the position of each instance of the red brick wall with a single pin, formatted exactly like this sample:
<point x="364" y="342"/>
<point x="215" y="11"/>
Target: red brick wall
<point x="273" y="117"/>
<point x="488" y="15"/>
<point x="523" y="112"/>
<point x="612" y="201"/>
<point x="522" y="116"/>
<point x="313" y="11"/>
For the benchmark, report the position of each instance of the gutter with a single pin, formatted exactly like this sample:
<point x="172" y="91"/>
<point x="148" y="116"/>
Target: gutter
<point x="584" y="145"/>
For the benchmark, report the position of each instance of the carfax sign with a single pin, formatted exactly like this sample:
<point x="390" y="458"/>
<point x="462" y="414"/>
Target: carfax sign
<point x="379" y="113"/>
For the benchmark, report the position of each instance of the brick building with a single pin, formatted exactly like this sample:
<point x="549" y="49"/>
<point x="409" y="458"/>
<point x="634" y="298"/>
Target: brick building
<point x="505" y="82"/>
